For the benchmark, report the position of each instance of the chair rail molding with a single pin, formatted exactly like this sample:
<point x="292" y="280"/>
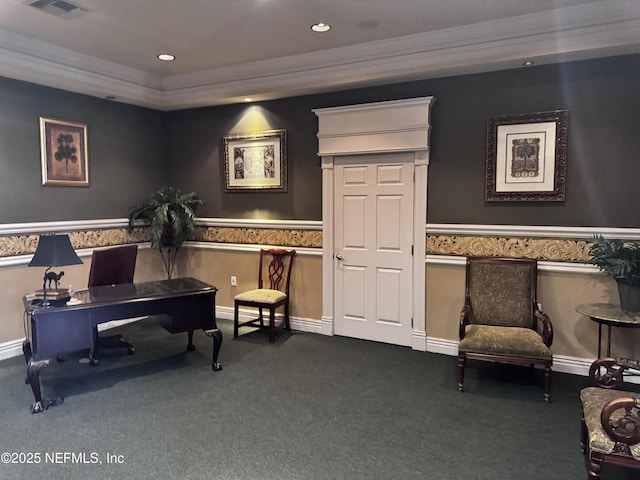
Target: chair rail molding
<point x="586" y="233"/>
<point x="557" y="248"/>
<point x="18" y="240"/>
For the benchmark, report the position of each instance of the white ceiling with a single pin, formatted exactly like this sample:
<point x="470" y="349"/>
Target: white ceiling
<point x="229" y="49"/>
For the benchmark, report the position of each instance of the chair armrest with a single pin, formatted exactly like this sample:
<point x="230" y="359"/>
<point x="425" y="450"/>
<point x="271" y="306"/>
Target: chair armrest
<point x="465" y="319"/>
<point x="625" y="427"/>
<point x="609" y="372"/>
<point x="547" y="327"/>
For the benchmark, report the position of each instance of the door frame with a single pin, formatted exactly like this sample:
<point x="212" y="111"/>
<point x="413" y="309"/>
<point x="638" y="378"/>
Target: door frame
<point x="381" y="127"/>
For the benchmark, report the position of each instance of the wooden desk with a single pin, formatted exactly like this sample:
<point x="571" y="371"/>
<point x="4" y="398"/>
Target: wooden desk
<point x="610" y="315"/>
<point x="189" y="303"/>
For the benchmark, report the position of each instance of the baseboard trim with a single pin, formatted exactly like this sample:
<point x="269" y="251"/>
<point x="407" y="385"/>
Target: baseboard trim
<point x="561" y="363"/>
<point x="297" y="323"/>
<point x="11" y="349"/>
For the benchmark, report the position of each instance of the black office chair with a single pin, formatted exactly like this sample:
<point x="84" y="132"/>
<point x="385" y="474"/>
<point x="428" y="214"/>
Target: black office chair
<point x="111" y="266"/>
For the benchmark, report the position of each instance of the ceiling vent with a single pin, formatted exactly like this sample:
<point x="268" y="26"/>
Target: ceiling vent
<point x="58" y="8"/>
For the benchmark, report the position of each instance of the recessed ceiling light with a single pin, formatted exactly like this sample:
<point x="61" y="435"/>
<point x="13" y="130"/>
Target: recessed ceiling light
<point x="167" y="57"/>
<point x="527" y="63"/>
<point x="320" y="27"/>
<point x="247" y="99"/>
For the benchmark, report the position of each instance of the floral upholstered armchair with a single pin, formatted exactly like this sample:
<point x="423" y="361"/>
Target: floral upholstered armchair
<point x="610" y="430"/>
<point x="500" y="320"/>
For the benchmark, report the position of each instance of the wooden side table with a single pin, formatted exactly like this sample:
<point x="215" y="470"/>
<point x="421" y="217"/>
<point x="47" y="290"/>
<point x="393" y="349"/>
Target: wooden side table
<point x="610" y="315"/>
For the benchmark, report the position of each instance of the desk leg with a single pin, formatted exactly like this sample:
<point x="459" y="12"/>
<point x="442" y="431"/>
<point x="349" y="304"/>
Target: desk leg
<point x="217" y="343"/>
<point x="33" y="378"/>
<point x="190" y="346"/>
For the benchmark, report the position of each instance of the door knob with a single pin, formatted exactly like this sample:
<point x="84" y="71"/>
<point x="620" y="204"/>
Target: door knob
<point x="339" y="257"/>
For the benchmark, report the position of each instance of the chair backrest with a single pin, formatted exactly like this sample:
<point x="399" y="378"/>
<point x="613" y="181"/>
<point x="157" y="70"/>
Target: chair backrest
<point x="110" y="266"/>
<point x="501" y="291"/>
<point x="275" y="269"/>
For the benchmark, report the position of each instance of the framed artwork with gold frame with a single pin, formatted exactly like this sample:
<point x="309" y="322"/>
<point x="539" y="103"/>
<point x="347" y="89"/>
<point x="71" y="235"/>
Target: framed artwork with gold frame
<point x="64" y="150"/>
<point x="527" y="157"/>
<point x="256" y="161"/>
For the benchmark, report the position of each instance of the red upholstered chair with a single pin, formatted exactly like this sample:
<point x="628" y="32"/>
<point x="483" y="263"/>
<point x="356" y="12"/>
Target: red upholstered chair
<point x="500" y="320"/>
<point x="274" y="276"/>
<point x="111" y="266"/>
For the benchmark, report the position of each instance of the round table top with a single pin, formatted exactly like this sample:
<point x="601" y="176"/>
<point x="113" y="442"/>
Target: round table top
<point x="610" y="314"/>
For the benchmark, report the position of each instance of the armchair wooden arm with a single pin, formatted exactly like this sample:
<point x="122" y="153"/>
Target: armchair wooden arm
<point x="608" y="372"/>
<point x="464" y="321"/>
<point x="623" y="429"/>
<point x="544" y="322"/>
<point x="610" y="430"/>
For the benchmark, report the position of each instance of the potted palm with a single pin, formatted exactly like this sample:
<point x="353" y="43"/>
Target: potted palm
<point x="621" y="261"/>
<point x="170" y="215"/>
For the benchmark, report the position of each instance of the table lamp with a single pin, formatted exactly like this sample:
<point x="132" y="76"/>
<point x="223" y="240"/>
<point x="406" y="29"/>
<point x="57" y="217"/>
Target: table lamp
<point x="53" y="251"/>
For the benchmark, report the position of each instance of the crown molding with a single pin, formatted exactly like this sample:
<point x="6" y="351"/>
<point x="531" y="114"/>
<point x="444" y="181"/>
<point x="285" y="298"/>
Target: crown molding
<point x="585" y="31"/>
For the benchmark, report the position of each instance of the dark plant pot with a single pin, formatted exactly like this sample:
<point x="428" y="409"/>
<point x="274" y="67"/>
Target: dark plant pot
<point x="629" y="297"/>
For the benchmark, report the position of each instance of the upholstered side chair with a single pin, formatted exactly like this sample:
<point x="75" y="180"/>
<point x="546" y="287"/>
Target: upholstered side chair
<point x="610" y="421"/>
<point x="500" y="320"/>
<point x="274" y="278"/>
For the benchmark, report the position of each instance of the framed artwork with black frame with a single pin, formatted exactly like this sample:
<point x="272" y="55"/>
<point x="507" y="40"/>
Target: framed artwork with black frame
<point x="256" y="161"/>
<point x="527" y="157"/>
<point x="64" y="151"/>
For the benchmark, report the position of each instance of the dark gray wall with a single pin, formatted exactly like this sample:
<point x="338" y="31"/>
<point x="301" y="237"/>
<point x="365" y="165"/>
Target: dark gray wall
<point x="602" y="97"/>
<point x="133" y="151"/>
<point x="126" y="155"/>
<point x="196" y="158"/>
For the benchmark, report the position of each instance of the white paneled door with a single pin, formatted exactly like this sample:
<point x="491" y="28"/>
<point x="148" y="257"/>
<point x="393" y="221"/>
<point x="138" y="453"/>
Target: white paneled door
<point x="373" y="236"/>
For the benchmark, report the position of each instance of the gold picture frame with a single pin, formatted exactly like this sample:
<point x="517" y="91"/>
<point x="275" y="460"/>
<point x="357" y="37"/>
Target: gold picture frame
<point x="64" y="150"/>
<point x="527" y="157"/>
<point x="256" y="161"/>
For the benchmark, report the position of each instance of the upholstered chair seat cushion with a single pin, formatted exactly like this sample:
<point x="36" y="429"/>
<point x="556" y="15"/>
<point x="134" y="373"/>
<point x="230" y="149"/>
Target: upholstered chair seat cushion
<point x="261" y="295"/>
<point x="593" y="400"/>
<point x="495" y="340"/>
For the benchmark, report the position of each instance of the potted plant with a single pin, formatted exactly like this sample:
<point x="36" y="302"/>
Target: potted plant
<point x="621" y="261"/>
<point x="171" y="217"/>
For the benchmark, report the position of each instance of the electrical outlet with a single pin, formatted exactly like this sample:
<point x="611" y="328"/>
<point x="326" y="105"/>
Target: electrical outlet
<point x="234" y="281"/>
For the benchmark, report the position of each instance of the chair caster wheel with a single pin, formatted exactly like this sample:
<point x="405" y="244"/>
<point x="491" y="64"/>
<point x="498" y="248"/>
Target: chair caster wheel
<point x="131" y="351"/>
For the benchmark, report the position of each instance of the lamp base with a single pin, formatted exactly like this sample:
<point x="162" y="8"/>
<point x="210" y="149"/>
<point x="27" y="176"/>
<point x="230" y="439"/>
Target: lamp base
<point x="60" y="294"/>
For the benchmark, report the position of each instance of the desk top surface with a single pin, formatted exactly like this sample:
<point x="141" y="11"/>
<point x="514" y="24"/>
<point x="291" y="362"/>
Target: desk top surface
<point x="609" y="313"/>
<point x="95" y="296"/>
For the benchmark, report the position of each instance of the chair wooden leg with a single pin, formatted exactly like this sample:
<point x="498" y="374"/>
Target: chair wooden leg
<point x="547" y="383"/>
<point x="287" y="326"/>
<point x="594" y="467"/>
<point x="260" y="317"/>
<point x="462" y="360"/>
<point x="272" y="325"/>
<point x="235" y="321"/>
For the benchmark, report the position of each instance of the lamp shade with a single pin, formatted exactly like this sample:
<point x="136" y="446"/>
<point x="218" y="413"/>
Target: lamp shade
<point x="54" y="251"/>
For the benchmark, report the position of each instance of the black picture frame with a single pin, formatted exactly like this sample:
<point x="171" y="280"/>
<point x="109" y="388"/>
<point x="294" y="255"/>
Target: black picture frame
<point x="527" y="157"/>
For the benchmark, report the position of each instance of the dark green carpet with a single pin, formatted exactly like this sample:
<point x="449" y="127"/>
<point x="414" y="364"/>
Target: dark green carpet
<point x="307" y="407"/>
